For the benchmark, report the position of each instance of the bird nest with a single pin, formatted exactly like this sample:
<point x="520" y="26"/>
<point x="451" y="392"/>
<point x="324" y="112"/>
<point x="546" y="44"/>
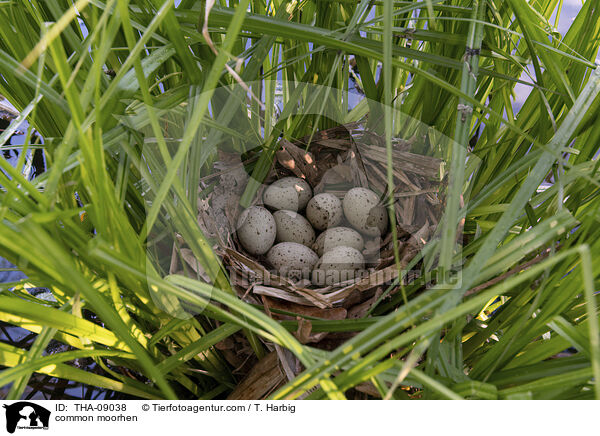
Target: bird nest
<point x="334" y="160"/>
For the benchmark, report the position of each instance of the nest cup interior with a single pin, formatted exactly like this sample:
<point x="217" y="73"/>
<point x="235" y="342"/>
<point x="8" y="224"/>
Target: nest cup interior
<point x="337" y="161"/>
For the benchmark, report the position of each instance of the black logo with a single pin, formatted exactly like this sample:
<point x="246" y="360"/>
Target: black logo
<point x="26" y="415"/>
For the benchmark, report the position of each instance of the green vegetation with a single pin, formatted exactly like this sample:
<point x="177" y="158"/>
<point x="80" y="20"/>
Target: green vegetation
<point x="85" y="230"/>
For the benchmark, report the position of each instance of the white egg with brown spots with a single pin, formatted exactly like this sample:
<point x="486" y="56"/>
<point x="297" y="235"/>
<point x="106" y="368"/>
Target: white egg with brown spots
<point x="256" y="230"/>
<point x="288" y="193"/>
<point x="338" y="237"/>
<point x="292" y="260"/>
<point x="338" y="265"/>
<point x="293" y="227"/>
<point x="324" y="211"/>
<point x="365" y="212"/>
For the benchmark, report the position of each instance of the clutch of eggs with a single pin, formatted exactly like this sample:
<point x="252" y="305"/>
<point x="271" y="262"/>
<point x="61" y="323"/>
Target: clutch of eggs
<point x="332" y="257"/>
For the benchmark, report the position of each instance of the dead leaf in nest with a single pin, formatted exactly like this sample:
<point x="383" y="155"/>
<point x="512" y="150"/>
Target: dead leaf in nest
<point x="427" y="166"/>
<point x="262" y="379"/>
<point x="352" y="299"/>
<point x="314" y="297"/>
<point x="301" y="162"/>
<point x="420" y="237"/>
<point x="288" y="289"/>
<point x="250" y="269"/>
<point x="288" y="362"/>
<point x="376" y="278"/>
<point x="408" y="253"/>
<point x="314" y="312"/>
<point x="360" y="310"/>
<point x="303" y="334"/>
<point x="304" y="329"/>
<point x="337" y="144"/>
<point x="407" y="210"/>
<point x="357" y="164"/>
<point x="306" y="297"/>
<point x="377" y="179"/>
<point x="341" y="132"/>
<point x="280" y="294"/>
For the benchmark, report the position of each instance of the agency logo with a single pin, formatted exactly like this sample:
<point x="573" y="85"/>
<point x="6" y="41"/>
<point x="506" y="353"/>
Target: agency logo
<point x="26" y="416"/>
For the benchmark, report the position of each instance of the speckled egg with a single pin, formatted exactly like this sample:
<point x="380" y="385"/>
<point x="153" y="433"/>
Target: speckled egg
<point x="256" y="230"/>
<point x="324" y="211"/>
<point x="292" y="260"/>
<point x="337" y="265"/>
<point x="336" y="237"/>
<point x="364" y="211"/>
<point x="288" y="193"/>
<point x="293" y="227"/>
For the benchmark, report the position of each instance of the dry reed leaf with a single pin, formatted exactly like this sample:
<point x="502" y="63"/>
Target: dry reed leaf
<point x="358" y="167"/>
<point x="378" y="179"/>
<point x="288" y="362"/>
<point x="375" y="279"/>
<point x="303" y="331"/>
<point x="281" y="294"/>
<point x="427" y="166"/>
<point x="314" y="312"/>
<point x="262" y="379"/>
<point x="398" y="194"/>
<point x="300" y="162"/>
<point x="336" y="132"/>
<point x="337" y="144"/>
<point x="250" y="264"/>
<point x="316" y="298"/>
<point x="360" y="310"/>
